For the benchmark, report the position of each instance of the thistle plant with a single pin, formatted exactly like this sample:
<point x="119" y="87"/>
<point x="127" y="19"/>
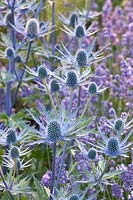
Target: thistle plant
<point x="61" y="76"/>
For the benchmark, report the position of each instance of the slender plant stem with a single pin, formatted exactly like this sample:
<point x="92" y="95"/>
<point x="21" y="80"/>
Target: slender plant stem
<point x="11" y="65"/>
<point x="5" y="184"/>
<point x="39" y="8"/>
<point x="104" y="171"/>
<point x="57" y="99"/>
<point x="85" y="108"/>
<point x="22" y="75"/>
<point x="8" y="102"/>
<point x="53" y="30"/>
<point x="50" y="96"/>
<point x="61" y="164"/>
<point x="53" y="170"/>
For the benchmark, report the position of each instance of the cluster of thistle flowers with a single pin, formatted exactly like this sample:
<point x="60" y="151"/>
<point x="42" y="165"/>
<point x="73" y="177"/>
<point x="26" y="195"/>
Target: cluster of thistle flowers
<point x="14" y="160"/>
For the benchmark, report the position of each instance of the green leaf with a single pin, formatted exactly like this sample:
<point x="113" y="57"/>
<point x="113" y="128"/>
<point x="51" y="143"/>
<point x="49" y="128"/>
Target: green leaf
<point x="40" y="192"/>
<point x="112" y="174"/>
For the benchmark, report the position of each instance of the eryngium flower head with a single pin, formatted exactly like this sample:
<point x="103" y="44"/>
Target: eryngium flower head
<point x="54" y="86"/>
<point x="91" y="154"/>
<point x="14" y="152"/>
<point x="32" y="28"/>
<point x="54" y="131"/>
<point x="79" y="31"/>
<point x="112" y="148"/>
<point x="11" y="137"/>
<point x="42" y="72"/>
<point x="73" y="20"/>
<point x="92" y="88"/>
<point x="9" y="52"/>
<point x="74" y="197"/>
<point x="119" y="125"/>
<point x="81" y="58"/>
<point x="71" y="80"/>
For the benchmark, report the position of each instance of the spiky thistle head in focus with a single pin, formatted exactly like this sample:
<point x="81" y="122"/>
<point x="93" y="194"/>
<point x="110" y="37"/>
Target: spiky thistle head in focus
<point x="115" y="145"/>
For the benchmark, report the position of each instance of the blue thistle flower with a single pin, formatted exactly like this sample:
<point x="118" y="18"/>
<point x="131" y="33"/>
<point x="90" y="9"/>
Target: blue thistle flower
<point x="119" y="125"/>
<point x="74" y="197"/>
<point x="42" y="72"/>
<point x="73" y="20"/>
<point x="32" y="28"/>
<point x="113" y="146"/>
<point x="91" y="154"/>
<point x="14" y="152"/>
<point x="54" y="86"/>
<point x="72" y="79"/>
<point x="54" y="131"/>
<point x="9" y="52"/>
<point x="92" y="88"/>
<point x="11" y="137"/>
<point x="81" y="58"/>
<point x="79" y="31"/>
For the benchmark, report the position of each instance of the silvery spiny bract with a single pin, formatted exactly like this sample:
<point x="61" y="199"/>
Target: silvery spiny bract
<point x="83" y="57"/>
<point x="65" y="127"/>
<point x="9" y="136"/>
<point x="114" y="145"/>
<point x="93" y="88"/>
<point x="79" y="31"/>
<point x="119" y="124"/>
<point x="71" y="21"/>
<point x="33" y="29"/>
<point x="16" y="153"/>
<point x="88" y="14"/>
<point x="72" y="78"/>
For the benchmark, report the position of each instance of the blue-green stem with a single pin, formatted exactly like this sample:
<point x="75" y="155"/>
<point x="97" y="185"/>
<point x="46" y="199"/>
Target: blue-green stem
<point x="85" y="108"/>
<point x="61" y="165"/>
<point x="39" y="8"/>
<point x="21" y="76"/>
<point x="8" y="90"/>
<point x="11" y="65"/>
<point x="53" y="30"/>
<point x="53" y="170"/>
<point x="50" y="96"/>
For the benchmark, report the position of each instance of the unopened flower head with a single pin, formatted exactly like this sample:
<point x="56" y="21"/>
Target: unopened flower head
<point x="11" y="137"/>
<point x="79" y="31"/>
<point x="114" y="146"/>
<point x="32" y="28"/>
<point x="14" y="152"/>
<point x="81" y="58"/>
<point x="72" y="79"/>
<point x="42" y="72"/>
<point x="9" y="52"/>
<point x="119" y="125"/>
<point x="91" y="154"/>
<point x="92" y="88"/>
<point x="54" y="131"/>
<point x="54" y="86"/>
<point x="73" y="19"/>
<point x="74" y="197"/>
